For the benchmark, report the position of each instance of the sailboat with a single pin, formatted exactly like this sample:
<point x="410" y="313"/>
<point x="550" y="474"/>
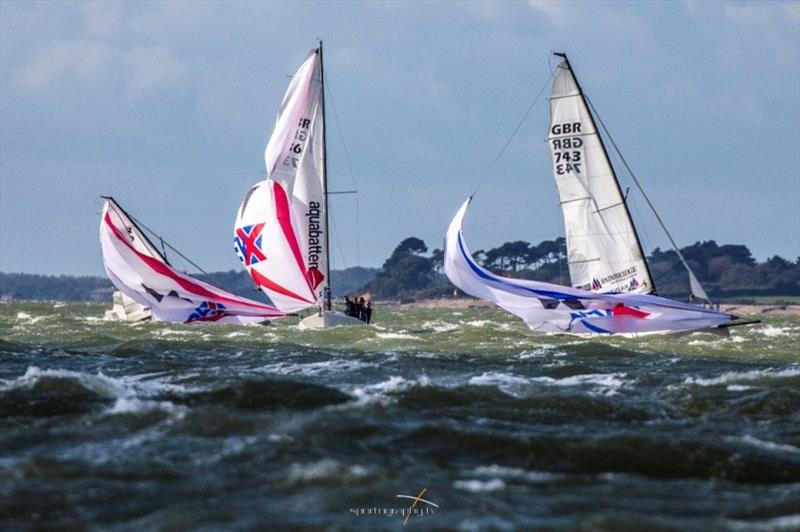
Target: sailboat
<point x="613" y="290"/>
<point x="281" y="234"/>
<point x="150" y="287"/>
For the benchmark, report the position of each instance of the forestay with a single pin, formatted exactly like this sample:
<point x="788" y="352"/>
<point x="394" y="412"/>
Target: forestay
<point x="286" y="254"/>
<point x="139" y="271"/>
<point x="550" y="308"/>
<point x="603" y="249"/>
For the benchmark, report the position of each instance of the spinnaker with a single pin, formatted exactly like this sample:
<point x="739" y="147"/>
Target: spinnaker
<point x="139" y="271"/>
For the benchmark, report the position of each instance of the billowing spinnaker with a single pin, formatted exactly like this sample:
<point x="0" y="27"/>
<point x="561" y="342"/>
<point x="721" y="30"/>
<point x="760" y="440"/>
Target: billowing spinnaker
<point x="140" y="272"/>
<point x="266" y="241"/>
<point x="603" y="249"/>
<point x="550" y="308"/>
<point x="294" y="158"/>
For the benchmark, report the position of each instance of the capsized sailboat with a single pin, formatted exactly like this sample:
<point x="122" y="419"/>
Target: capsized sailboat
<point x="281" y="232"/>
<point x="141" y="273"/>
<point x="613" y="290"/>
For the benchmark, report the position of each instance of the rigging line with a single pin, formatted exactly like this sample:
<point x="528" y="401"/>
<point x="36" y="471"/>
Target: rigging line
<point x="338" y="241"/>
<point x="349" y="167"/>
<point x="170" y="246"/>
<point x="674" y="266"/>
<point x="513" y="134"/>
<point x="646" y="197"/>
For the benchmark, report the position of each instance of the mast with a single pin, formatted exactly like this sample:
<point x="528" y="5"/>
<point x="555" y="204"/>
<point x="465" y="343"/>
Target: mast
<point x="118" y="207"/>
<point x="327" y="290"/>
<point x="613" y="171"/>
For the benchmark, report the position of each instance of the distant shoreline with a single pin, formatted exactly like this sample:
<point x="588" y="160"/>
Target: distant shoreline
<point x="465" y="302"/>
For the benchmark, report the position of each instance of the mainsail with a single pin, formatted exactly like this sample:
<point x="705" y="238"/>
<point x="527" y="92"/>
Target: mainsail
<point x="141" y="272"/>
<point x="550" y="308"/>
<point x="603" y="249"/>
<point x="281" y="231"/>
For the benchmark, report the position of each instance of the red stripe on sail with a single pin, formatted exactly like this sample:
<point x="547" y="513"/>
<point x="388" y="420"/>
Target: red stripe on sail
<point x="284" y="218"/>
<point x="163" y="269"/>
<point x="271" y="285"/>
<point x="622" y="310"/>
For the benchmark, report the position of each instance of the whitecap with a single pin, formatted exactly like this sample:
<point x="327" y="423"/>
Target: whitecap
<point x="100" y="384"/>
<point x="493" y="378"/>
<point x="752" y="375"/>
<point x="29" y="318"/>
<point x="325" y="367"/>
<point x="516" y="473"/>
<point x="380" y="391"/>
<point x="767" y="445"/>
<point x="772" y="331"/>
<point x="327" y="469"/>
<point x="395" y="336"/>
<point x="480" y="486"/>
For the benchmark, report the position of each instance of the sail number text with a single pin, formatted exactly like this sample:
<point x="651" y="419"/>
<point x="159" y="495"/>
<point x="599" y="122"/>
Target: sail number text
<point x="567" y="152"/>
<point x="298" y="143"/>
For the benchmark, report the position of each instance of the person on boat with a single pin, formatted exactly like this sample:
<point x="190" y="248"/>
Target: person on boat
<point x="361" y="305"/>
<point x="350" y="306"/>
<point x="368" y="311"/>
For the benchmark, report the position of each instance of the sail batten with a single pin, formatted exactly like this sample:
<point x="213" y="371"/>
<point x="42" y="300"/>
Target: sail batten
<point x="590" y="195"/>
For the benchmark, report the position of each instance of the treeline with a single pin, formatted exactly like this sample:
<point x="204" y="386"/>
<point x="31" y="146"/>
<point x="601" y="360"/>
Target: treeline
<point x="727" y="271"/>
<point x="85" y="288"/>
<point x="411" y="271"/>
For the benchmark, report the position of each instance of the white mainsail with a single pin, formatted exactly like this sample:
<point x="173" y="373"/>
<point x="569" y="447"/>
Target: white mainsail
<point x="140" y="272"/>
<point x="288" y="210"/>
<point x="603" y="249"/>
<point x="549" y="308"/>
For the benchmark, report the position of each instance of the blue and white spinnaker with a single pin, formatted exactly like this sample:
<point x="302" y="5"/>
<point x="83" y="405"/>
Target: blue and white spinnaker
<point x="549" y="308"/>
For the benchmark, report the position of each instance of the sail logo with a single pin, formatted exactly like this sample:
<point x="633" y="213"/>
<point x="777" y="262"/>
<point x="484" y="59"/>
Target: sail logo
<point x="314" y="233"/>
<point x="247" y="244"/>
<point x="596" y="284"/>
<point x="207" y="311"/>
<point x="619" y="310"/>
<point x="619" y="276"/>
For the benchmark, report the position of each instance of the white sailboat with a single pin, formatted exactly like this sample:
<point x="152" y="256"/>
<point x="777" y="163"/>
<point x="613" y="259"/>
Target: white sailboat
<point x="281" y="233"/>
<point x="613" y="290"/>
<point x="126" y="309"/>
<point x="150" y="287"/>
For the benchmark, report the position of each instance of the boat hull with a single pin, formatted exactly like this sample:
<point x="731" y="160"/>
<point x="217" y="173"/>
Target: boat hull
<point x="328" y="320"/>
<point x="126" y="309"/>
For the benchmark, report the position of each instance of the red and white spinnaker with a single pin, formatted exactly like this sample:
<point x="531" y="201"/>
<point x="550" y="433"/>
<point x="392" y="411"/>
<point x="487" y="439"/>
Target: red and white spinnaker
<point x="142" y="273"/>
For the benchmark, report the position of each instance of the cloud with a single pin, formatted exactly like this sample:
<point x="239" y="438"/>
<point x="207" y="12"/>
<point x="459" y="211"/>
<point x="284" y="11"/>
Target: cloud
<point x="151" y="68"/>
<point x="89" y="53"/>
<point x="93" y="63"/>
<point x="84" y="61"/>
<point x="555" y="10"/>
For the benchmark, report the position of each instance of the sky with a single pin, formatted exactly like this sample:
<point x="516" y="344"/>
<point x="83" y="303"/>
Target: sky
<point x="168" y="107"/>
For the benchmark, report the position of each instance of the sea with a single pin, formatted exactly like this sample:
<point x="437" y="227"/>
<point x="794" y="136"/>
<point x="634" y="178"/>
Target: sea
<point x="428" y="419"/>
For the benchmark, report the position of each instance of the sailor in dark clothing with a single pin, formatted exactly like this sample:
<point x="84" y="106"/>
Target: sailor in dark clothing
<point x="350" y="305"/>
<point x="368" y="311"/>
<point x="361" y="306"/>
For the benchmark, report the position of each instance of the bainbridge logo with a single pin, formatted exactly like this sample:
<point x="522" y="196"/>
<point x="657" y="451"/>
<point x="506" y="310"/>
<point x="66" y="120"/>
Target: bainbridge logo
<point x="418" y="507"/>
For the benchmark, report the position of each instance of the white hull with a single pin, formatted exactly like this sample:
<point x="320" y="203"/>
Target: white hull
<point x="126" y="309"/>
<point x="328" y="319"/>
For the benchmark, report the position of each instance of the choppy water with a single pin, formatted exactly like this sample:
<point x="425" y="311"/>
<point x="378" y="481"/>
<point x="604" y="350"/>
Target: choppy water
<point x="108" y="425"/>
